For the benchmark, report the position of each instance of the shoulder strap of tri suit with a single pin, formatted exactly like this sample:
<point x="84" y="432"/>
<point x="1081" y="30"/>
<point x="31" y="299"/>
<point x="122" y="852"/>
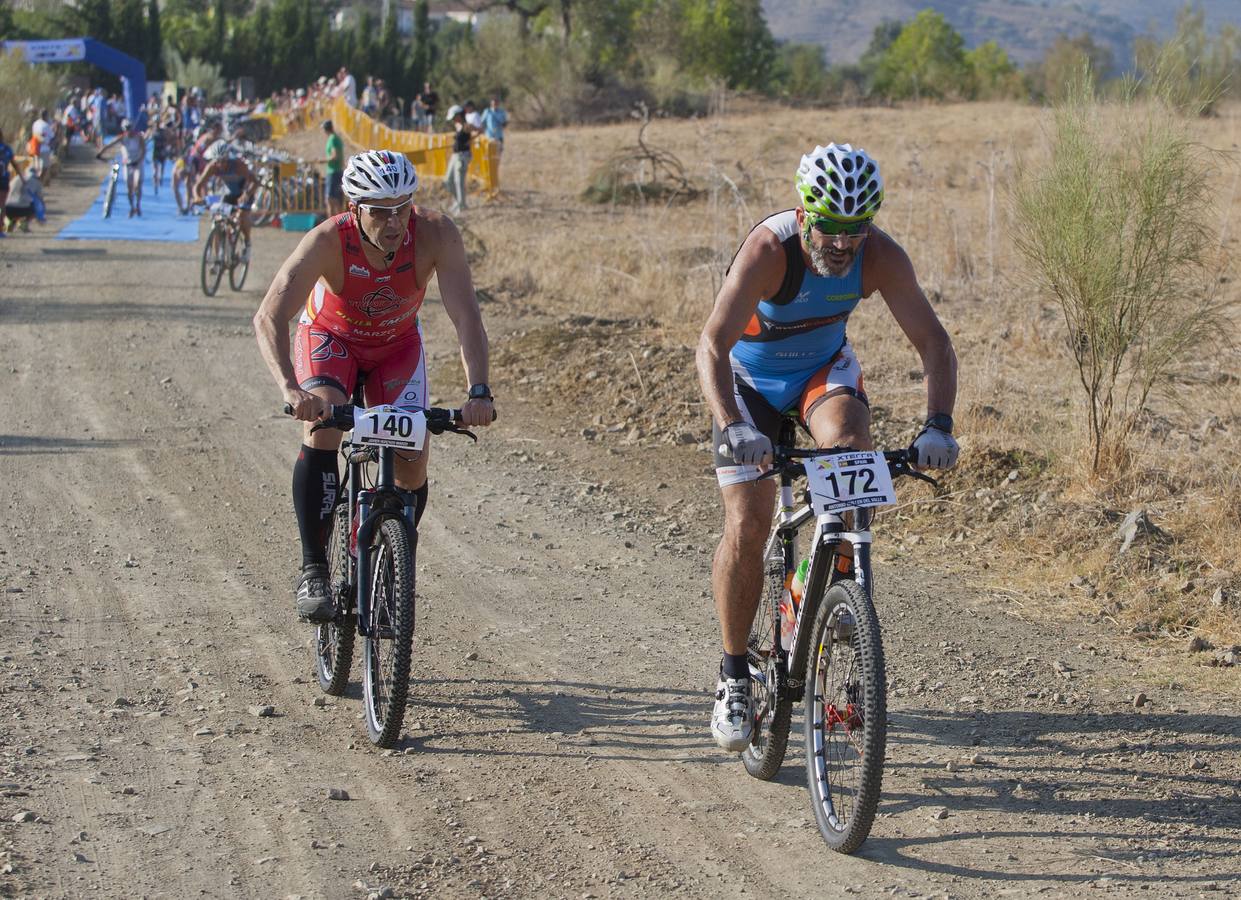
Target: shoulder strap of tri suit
<point x="794" y="270"/>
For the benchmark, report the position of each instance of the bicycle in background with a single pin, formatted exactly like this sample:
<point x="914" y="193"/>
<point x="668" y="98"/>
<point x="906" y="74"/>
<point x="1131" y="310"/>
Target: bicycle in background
<point x="220" y="251"/>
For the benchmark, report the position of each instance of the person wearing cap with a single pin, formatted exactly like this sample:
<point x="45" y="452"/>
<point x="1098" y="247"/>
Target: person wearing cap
<point x="334" y="163"/>
<point x="459" y="163"/>
<point x="133" y="153"/>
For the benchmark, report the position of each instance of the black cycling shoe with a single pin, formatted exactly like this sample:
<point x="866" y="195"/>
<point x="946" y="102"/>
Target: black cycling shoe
<point x="314" y="600"/>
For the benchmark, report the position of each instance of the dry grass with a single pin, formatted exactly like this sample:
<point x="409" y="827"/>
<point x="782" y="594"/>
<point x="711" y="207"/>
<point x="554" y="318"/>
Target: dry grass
<point x="1019" y="408"/>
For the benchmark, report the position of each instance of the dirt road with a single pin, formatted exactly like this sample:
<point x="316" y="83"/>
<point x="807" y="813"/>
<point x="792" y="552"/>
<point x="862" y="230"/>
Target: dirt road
<point x="556" y="738"/>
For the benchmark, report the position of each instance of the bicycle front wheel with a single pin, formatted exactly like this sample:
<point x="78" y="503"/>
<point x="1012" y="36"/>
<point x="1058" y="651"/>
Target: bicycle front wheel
<point x="109" y="199"/>
<point x="213" y="261"/>
<point x="773" y="705"/>
<point x="846" y="716"/>
<point x="334" y="640"/>
<point x="390" y="632"/>
<point x="238" y="266"/>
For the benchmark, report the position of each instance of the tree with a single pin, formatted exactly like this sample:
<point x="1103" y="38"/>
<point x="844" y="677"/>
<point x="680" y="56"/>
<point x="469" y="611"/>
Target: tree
<point x="992" y="73"/>
<point x="802" y="70"/>
<point x="95" y="19"/>
<point x="420" y="61"/>
<point x="728" y="40"/>
<point x="927" y="59"/>
<point x="131" y="28"/>
<point x="1060" y="70"/>
<point x="155" y="42"/>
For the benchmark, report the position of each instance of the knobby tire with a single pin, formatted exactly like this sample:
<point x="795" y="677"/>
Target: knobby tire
<point x="773" y="705"/>
<point x="845" y="680"/>
<point x="238" y="267"/>
<point x="213" y="262"/>
<point x="334" y="640"/>
<point x="389" y="643"/>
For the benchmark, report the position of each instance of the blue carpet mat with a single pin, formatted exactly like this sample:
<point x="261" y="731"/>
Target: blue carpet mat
<point x="160" y="220"/>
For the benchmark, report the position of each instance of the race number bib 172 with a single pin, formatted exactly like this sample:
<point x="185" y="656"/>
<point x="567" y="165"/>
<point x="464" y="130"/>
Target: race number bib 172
<point x="845" y="480"/>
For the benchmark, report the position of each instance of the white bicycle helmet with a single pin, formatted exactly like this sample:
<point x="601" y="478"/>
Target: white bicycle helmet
<point x="379" y="175"/>
<point x="218" y="150"/>
<point x="839" y="182"/>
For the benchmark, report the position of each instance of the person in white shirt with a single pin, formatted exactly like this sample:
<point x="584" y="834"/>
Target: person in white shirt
<point x="347" y="86"/>
<point x="42" y="129"/>
<point x="473" y="117"/>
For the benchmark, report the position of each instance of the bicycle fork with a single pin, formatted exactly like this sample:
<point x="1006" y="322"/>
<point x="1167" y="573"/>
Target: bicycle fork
<point x="362" y="505"/>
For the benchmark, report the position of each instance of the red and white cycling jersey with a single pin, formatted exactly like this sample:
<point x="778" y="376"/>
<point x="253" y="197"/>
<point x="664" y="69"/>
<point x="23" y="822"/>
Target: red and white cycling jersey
<point x="374" y="307"/>
<point x="371" y="327"/>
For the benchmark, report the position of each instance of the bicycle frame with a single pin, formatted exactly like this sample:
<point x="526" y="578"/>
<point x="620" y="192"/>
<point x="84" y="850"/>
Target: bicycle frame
<point x="829" y="533"/>
<point x="368" y="507"/>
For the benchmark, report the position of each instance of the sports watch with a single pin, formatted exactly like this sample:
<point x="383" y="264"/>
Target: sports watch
<point x="480" y="391"/>
<point x="940" y="422"/>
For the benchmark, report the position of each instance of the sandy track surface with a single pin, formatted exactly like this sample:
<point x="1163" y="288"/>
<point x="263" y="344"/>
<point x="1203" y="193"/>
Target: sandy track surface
<point x="556" y="741"/>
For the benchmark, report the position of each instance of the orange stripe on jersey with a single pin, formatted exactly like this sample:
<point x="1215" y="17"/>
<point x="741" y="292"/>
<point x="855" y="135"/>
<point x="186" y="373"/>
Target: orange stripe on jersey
<point x="754" y="328"/>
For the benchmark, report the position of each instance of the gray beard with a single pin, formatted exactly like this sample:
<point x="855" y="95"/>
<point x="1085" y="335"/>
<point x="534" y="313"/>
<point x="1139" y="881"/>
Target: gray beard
<point x="821" y="264"/>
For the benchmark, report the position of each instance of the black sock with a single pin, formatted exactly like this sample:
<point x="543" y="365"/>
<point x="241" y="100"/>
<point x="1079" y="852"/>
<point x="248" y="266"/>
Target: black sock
<point x="315" y="482"/>
<point x="421" y="506"/>
<point x="736" y="666"/>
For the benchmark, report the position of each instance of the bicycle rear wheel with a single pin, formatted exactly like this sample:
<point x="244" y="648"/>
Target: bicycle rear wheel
<point x="773" y="706"/>
<point x="334" y="640"/>
<point x="238" y="267"/>
<point x="390" y="632"/>
<point x="846" y="716"/>
<point x="213" y="261"/>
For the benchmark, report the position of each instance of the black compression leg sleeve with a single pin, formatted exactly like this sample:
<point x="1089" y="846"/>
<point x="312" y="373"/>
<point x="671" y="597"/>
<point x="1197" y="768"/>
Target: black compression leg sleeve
<point x="315" y="481"/>
<point x="421" y="494"/>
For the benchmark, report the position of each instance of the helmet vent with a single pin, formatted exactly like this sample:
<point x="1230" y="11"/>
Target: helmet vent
<point x="849" y="185"/>
<point x="847" y="164"/>
<point x="849" y="205"/>
<point x="835" y="177"/>
<point x="819" y="163"/>
<point x="822" y="181"/>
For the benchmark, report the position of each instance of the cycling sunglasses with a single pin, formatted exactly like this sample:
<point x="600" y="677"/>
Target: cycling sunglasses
<point x="385" y="212"/>
<point x="824" y="225"/>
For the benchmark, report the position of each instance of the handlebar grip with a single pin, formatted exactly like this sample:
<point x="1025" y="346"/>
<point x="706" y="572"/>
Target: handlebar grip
<point x="288" y="409"/>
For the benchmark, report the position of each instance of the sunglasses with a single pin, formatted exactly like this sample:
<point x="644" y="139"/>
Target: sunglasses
<point x="832" y="227"/>
<point x="385" y="212"/>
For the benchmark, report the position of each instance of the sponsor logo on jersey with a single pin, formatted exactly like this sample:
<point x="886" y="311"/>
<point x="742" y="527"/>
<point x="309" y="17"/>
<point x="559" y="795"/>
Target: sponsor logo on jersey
<point x="379" y="301"/>
<point x="383" y="279"/>
<point x="396" y="320"/>
<point x="326" y="347"/>
<point x="352" y="321"/>
<point x="360" y="271"/>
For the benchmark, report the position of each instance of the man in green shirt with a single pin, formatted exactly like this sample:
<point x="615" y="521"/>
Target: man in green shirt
<point x="335" y="153"/>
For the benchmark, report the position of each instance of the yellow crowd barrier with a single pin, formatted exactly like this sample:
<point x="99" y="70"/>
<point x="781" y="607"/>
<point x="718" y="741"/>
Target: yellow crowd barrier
<point x="430" y="153"/>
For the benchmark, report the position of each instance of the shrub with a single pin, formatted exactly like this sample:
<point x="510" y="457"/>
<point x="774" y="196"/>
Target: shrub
<point x="1115" y="224"/>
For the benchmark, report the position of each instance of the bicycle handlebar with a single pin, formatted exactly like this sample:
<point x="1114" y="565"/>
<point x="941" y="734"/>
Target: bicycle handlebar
<point x="900" y="462"/>
<point x="439" y="419"/>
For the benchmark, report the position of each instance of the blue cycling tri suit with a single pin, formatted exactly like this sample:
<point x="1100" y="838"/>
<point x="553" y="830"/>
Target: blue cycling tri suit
<point x="794" y="352"/>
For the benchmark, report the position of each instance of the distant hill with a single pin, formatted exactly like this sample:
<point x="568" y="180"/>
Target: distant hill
<point x="1025" y="28"/>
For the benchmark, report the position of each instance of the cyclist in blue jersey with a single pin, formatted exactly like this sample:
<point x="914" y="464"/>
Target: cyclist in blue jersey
<point x="775" y="343"/>
<point x="225" y="163"/>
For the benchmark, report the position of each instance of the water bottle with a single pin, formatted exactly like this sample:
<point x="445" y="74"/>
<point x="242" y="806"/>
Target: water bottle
<point x="790" y="602"/>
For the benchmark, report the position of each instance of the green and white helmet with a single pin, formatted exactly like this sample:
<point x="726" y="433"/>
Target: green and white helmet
<point x="840" y="182"/>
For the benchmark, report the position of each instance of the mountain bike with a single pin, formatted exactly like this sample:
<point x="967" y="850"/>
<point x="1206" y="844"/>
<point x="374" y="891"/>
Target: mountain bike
<point x="824" y="648"/>
<point x="371" y="553"/>
<point x="109" y="197"/>
<point x="220" y="251"/>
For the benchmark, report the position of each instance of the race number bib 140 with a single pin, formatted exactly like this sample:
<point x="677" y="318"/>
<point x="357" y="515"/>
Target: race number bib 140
<point x="388" y="426"/>
<point x="846" y="480"/>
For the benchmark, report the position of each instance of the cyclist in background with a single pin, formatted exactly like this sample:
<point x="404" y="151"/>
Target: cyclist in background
<point x="775" y="343"/>
<point x="133" y="153"/>
<point x="358" y="281"/>
<point x="225" y="163"/>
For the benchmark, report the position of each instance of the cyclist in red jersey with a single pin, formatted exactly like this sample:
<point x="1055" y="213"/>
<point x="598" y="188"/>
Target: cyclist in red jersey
<point x="358" y="280"/>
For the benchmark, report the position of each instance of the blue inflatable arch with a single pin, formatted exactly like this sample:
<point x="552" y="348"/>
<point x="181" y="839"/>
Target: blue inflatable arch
<point x="133" y="73"/>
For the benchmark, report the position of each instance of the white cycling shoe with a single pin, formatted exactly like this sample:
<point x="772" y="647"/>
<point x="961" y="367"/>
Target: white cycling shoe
<point x="732" y="721"/>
